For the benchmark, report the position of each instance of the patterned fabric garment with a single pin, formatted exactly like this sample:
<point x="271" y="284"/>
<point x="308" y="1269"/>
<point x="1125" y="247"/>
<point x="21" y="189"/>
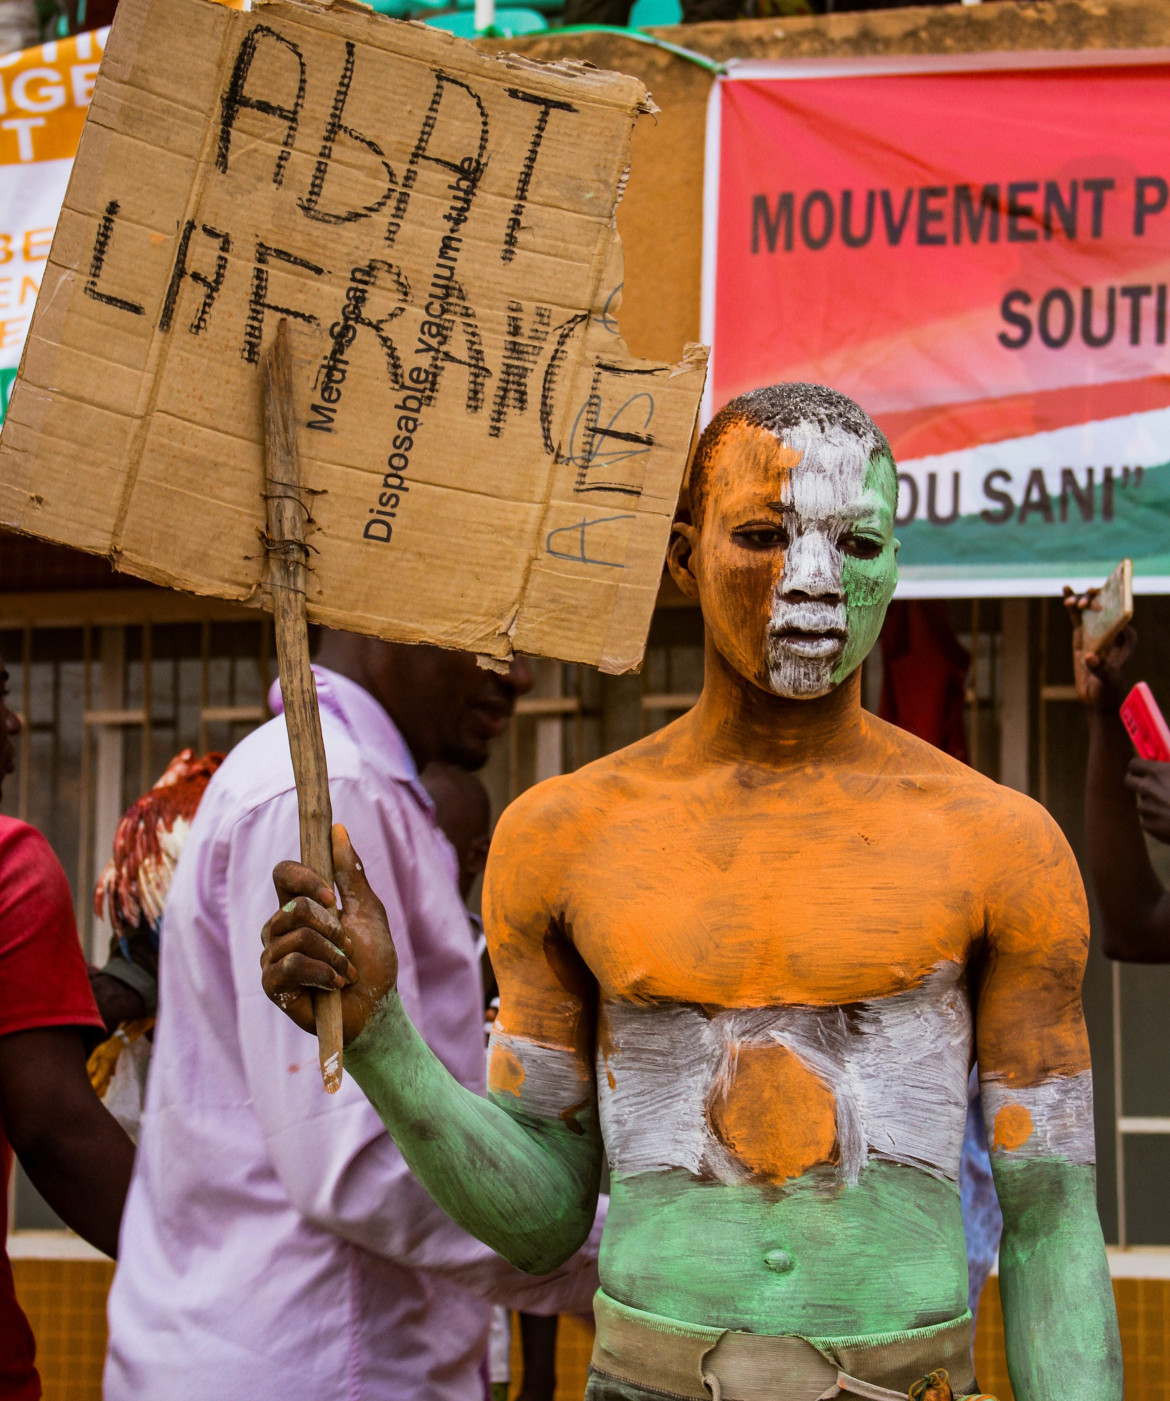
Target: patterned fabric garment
<point x="982" y="1218"/>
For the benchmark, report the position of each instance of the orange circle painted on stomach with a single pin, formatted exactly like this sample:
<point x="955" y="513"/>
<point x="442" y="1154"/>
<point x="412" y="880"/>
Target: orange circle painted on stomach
<point x="778" y="1117"/>
<point x="1013" y="1127"/>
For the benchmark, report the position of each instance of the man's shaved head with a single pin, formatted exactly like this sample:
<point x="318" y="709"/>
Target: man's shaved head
<point x="780" y="408"/>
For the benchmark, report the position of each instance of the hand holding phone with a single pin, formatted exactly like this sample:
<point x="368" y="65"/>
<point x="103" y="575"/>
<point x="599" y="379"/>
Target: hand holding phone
<point x="1110" y="610"/>
<point x="1147" y="728"/>
<point x="1103" y="640"/>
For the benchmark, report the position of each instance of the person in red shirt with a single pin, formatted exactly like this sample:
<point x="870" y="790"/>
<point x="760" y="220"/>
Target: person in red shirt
<point x="72" y="1149"/>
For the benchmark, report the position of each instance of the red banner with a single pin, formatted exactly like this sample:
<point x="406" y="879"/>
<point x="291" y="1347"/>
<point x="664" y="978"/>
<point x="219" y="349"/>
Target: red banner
<point x="981" y="258"/>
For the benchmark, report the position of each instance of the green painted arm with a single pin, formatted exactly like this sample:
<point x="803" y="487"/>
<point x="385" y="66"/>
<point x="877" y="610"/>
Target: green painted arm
<point x="1060" y="1319"/>
<point x="526" y="1187"/>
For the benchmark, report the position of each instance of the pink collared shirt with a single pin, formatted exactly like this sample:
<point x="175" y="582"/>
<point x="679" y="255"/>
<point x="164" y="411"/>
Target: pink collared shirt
<point x="274" y="1244"/>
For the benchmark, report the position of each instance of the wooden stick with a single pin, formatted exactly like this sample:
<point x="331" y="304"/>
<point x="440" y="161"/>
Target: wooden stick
<point x="287" y="561"/>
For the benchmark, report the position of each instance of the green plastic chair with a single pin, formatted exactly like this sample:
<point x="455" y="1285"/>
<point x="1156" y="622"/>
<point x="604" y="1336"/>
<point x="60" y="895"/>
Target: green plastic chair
<point x="508" y="24"/>
<point x="647" y="13"/>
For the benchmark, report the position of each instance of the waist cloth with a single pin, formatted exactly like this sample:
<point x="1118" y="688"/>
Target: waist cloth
<point x="645" y="1352"/>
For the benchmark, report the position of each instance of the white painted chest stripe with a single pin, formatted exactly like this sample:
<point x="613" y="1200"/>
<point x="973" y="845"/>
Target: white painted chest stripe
<point x="897" y="1066"/>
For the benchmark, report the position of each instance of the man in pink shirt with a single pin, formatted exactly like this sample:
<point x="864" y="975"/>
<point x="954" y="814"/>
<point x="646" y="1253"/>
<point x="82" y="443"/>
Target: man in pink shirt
<point x="274" y="1243"/>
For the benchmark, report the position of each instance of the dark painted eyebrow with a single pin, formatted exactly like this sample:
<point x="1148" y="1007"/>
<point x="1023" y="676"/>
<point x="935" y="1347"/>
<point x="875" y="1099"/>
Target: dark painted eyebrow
<point x="860" y="514"/>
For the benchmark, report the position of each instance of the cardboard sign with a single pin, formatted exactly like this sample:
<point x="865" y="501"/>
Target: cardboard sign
<point x="491" y="470"/>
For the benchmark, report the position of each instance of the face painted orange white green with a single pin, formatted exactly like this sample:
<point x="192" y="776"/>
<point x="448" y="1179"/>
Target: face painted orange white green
<point x="794" y="557"/>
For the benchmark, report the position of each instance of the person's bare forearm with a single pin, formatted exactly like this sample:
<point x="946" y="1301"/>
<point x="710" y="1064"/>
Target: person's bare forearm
<point x="63" y="1172"/>
<point x="73" y="1149"/>
<point x="1060" y="1319"/>
<point x="1134" y="905"/>
<point x="528" y="1189"/>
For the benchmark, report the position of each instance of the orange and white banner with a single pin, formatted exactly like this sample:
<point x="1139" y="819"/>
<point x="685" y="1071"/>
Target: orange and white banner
<point x="44" y="95"/>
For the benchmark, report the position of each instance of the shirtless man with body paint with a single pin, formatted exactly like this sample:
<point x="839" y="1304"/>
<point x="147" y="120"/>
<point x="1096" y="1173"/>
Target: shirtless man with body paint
<point x="755" y="953"/>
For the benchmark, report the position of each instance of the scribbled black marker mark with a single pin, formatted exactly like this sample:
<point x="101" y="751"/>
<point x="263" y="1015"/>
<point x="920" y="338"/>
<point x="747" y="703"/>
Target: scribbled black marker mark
<point x="547" y="106"/>
<point x="607" y="444"/>
<point x="258" y="302"/>
<point x="467" y="172"/>
<point x="592" y="454"/>
<point x="548" y="392"/>
<point x="210" y="285"/>
<point x="334" y="128"/>
<point x="101" y="247"/>
<point x="519" y="358"/>
<point x="459" y="313"/>
<point x="235" y="100"/>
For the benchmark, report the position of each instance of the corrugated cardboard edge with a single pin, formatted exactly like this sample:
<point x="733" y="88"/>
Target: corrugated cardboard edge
<point x="640" y="600"/>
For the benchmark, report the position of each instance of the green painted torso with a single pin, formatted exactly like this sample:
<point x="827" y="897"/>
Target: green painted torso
<point x="816" y="1258"/>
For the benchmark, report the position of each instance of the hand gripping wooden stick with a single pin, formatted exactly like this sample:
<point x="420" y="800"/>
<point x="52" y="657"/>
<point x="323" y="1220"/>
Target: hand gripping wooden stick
<point x="287" y="560"/>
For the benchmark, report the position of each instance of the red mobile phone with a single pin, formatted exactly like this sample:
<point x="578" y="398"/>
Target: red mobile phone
<point x="1147" y="728"/>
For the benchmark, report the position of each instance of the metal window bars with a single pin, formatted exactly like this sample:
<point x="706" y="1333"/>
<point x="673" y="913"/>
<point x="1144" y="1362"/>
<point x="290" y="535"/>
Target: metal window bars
<point x="104" y="691"/>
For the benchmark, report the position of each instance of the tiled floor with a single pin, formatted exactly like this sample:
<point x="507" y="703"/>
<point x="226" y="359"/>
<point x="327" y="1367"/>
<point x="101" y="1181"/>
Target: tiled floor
<point x="990" y="1362"/>
<point x="1143" y="1309"/>
<point x="65" y="1302"/>
<point x="574" y="1346"/>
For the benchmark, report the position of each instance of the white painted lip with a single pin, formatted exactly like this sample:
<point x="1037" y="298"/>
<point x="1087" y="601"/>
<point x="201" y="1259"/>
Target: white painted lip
<point x="809" y="644"/>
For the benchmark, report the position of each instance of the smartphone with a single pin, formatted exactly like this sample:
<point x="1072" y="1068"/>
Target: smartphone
<point x="1111" y="612"/>
<point x="1148" y="730"/>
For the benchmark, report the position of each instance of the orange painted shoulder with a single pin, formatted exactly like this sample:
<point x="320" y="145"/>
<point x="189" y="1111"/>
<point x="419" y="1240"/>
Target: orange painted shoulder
<point x="532" y="848"/>
<point x="567" y="811"/>
<point x="1031" y="852"/>
<point x="987" y="804"/>
<point x="546" y="993"/>
<point x="1030" y="1023"/>
<point x="896" y="749"/>
<point x="546" y="836"/>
